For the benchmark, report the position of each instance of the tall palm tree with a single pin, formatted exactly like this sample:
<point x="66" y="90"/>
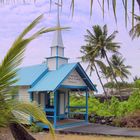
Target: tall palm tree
<point x="8" y="73"/>
<point x="102" y="44"/>
<point x="135" y="31"/>
<point x="93" y="63"/>
<point x="121" y="70"/>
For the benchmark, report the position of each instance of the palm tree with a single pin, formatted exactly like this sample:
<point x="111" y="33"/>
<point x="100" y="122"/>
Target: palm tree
<point x="107" y="74"/>
<point x="102" y="44"/>
<point x="135" y="31"/>
<point x="8" y="72"/>
<point x="93" y="63"/>
<point x="101" y="3"/>
<point x="121" y="70"/>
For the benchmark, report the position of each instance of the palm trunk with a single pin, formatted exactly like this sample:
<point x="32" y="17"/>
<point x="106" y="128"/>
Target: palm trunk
<point x="114" y="76"/>
<point x="19" y="133"/>
<point x="122" y="80"/>
<point x="101" y="82"/>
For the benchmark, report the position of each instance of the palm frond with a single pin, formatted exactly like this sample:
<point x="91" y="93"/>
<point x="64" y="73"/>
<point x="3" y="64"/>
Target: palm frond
<point x="33" y="110"/>
<point x="135" y="31"/>
<point x="13" y="58"/>
<point x="133" y="12"/>
<point x="91" y="7"/>
<point x="114" y="9"/>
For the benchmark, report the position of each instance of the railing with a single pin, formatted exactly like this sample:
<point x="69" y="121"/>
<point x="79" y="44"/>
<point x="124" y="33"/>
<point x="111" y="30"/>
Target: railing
<point x="49" y="110"/>
<point x="77" y="107"/>
<point x="69" y="112"/>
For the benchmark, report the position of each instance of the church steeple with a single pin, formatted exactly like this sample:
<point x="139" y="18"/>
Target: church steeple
<point x="57" y="39"/>
<point x="57" y="48"/>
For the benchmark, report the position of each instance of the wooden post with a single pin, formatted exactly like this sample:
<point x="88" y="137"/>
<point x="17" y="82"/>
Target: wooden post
<point x="31" y="99"/>
<point x="45" y="98"/>
<point x="86" y="117"/>
<point x="68" y="103"/>
<point x="55" y="108"/>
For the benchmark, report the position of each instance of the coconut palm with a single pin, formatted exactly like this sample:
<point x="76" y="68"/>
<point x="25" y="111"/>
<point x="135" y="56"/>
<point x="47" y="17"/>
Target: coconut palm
<point x="93" y="63"/>
<point x="107" y="74"/>
<point x="102" y="44"/>
<point x="121" y="70"/>
<point x="8" y="72"/>
<point x="135" y="31"/>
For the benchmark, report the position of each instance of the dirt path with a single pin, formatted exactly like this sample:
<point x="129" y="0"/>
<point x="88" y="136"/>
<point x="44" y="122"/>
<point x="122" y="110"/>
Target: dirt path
<point x="5" y="134"/>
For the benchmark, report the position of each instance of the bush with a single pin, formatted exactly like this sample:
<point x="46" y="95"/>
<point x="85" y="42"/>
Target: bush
<point x="35" y="129"/>
<point x="131" y="120"/>
<point x="114" y="108"/>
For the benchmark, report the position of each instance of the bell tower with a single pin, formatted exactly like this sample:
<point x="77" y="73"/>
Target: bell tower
<point x="57" y="47"/>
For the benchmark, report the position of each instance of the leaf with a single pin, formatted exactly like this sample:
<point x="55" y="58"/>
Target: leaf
<point x="114" y="9"/>
<point x="108" y="3"/>
<point x="103" y="7"/>
<point x="91" y="7"/>
<point x="72" y="7"/>
<point x="133" y="12"/>
<point x="33" y="110"/>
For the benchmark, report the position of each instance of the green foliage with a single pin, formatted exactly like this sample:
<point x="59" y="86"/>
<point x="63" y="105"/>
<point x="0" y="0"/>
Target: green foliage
<point x="114" y="108"/>
<point x="9" y="107"/>
<point x="35" y="128"/>
<point x="122" y="85"/>
<point x="137" y="84"/>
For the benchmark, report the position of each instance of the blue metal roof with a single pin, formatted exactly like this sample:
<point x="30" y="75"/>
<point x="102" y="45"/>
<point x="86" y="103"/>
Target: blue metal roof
<point x="52" y="80"/>
<point x="28" y="75"/>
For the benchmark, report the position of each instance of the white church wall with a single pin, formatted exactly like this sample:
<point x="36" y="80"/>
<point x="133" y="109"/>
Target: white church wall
<point x="62" y="100"/>
<point x="60" y="51"/>
<point x="35" y="97"/>
<point x="39" y="97"/>
<point x="62" y="61"/>
<point x="52" y="63"/>
<point x="53" y="51"/>
<point x="74" y="80"/>
<point x="23" y="94"/>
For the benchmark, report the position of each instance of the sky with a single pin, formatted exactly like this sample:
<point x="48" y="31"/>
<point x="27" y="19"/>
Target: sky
<point x="15" y="17"/>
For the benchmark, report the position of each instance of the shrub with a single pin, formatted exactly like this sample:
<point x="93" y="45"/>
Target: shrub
<point x="114" y="108"/>
<point x="131" y="120"/>
<point x="35" y="128"/>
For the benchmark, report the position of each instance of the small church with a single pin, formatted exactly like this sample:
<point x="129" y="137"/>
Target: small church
<point x="51" y="84"/>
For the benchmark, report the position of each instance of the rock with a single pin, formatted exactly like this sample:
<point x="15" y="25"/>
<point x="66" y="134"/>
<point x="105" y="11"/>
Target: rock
<point x="103" y="121"/>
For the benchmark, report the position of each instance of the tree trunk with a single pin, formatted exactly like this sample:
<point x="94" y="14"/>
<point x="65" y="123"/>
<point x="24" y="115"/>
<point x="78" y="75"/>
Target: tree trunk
<point x="122" y="80"/>
<point x="101" y="82"/>
<point x="114" y="76"/>
<point x="19" y="133"/>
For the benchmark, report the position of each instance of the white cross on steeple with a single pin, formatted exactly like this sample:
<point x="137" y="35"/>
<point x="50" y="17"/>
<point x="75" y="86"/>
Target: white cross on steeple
<point x="57" y="57"/>
<point x="57" y="39"/>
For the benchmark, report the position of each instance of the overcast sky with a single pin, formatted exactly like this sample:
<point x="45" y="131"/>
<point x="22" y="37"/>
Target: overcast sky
<point x="14" y="18"/>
